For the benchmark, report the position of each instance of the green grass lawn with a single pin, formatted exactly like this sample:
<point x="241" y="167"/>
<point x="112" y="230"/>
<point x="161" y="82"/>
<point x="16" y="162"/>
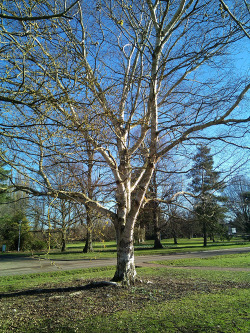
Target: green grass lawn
<point x="31" y="281"/>
<point x="229" y="313"/>
<point x="108" y="249"/>
<point x="231" y="260"/>
<point x="164" y="299"/>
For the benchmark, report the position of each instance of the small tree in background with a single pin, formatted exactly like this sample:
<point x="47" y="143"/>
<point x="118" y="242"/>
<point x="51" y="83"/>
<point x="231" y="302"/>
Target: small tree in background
<point x="14" y="225"/>
<point x="205" y="186"/>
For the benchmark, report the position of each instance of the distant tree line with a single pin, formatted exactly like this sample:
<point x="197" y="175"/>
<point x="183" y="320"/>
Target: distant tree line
<point x="216" y="209"/>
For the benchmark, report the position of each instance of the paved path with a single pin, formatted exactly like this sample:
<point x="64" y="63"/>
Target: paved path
<point x="14" y="265"/>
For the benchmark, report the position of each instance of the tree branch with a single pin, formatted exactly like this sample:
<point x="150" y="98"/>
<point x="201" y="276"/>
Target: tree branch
<point x="37" y="18"/>
<point x="226" y="8"/>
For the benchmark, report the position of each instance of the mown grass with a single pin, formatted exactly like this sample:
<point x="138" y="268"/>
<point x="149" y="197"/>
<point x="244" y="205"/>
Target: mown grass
<point x="108" y="249"/>
<point x="168" y="299"/>
<point x="231" y="260"/>
<point x="190" y="274"/>
<point x="222" y="312"/>
<point x="31" y="281"/>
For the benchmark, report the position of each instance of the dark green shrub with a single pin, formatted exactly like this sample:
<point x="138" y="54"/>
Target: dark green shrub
<point x="11" y="227"/>
<point x="37" y="244"/>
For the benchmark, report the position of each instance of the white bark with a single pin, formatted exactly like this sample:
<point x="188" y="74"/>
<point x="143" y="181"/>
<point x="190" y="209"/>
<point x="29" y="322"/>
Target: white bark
<point x="125" y="270"/>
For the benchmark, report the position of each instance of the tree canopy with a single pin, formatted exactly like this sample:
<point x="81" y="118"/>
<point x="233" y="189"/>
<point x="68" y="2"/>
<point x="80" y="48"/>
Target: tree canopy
<point x="135" y="80"/>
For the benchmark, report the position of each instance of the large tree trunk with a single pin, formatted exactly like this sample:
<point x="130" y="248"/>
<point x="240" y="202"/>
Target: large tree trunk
<point x="64" y="236"/>
<point x="157" y="230"/>
<point x="157" y="242"/>
<point x="129" y="203"/>
<point x="204" y="234"/>
<point x="157" y="239"/>
<point x="175" y="238"/>
<point x="125" y="269"/>
<point x="89" y="242"/>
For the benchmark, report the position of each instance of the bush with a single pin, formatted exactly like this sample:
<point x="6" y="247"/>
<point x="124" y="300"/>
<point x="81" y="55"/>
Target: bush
<point x="37" y="244"/>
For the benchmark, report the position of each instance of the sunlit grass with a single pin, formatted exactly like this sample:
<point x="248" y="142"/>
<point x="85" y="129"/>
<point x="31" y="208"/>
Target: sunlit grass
<point x="174" y="273"/>
<point x="220" y="312"/>
<point x="231" y="260"/>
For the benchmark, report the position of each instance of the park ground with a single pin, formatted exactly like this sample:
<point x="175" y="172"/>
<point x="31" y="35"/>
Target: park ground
<point x="185" y="295"/>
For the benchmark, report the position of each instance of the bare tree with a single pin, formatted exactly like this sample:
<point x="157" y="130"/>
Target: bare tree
<point x="63" y="218"/>
<point x="127" y="77"/>
<point x="34" y="10"/>
<point x="238" y="202"/>
<point x="244" y="25"/>
<point x="88" y="180"/>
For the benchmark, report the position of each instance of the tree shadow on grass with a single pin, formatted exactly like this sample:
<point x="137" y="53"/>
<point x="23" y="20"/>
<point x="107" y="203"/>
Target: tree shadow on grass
<point x="40" y="291"/>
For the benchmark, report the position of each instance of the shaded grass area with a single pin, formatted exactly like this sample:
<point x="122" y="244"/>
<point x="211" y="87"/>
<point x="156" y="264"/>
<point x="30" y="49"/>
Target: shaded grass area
<point x="164" y="299"/>
<point x="231" y="260"/>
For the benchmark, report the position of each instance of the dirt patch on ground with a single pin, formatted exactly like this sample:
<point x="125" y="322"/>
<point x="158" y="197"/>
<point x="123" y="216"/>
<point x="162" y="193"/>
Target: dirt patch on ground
<point x="55" y="308"/>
